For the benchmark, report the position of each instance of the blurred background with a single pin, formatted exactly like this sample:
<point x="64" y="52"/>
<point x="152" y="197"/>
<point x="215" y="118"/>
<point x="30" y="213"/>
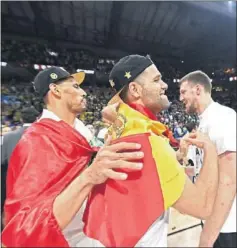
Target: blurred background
<point x="93" y="35"/>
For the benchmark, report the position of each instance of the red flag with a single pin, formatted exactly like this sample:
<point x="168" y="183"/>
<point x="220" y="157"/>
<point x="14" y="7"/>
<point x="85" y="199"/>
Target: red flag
<point x="147" y="112"/>
<point x="47" y="158"/>
<point x="119" y="213"/>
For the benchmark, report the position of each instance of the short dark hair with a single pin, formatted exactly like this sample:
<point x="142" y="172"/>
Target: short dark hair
<point x="29" y="115"/>
<point x="124" y="93"/>
<point x="198" y="77"/>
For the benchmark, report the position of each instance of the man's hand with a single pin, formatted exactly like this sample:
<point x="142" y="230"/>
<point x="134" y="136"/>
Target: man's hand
<point x="112" y="157"/>
<point x="109" y="113"/>
<point x="199" y="140"/>
<point x="182" y="152"/>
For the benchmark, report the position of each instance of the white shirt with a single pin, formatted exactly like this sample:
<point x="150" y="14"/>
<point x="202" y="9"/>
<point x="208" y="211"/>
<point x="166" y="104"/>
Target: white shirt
<point x="78" y="125"/>
<point x="156" y="235"/>
<point x="102" y="133"/>
<point x="27" y="124"/>
<point x="219" y="122"/>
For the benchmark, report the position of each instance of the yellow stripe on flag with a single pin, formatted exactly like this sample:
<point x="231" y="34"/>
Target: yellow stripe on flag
<point x="171" y="174"/>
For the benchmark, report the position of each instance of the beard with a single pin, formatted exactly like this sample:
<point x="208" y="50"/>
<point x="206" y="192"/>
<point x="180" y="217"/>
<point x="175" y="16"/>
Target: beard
<point x="159" y="105"/>
<point x="78" y="109"/>
<point x="164" y="103"/>
<point x="191" y="109"/>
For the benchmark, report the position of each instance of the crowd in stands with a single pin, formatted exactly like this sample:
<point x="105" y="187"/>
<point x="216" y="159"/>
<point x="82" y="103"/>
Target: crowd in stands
<point x="29" y="53"/>
<point x="16" y="96"/>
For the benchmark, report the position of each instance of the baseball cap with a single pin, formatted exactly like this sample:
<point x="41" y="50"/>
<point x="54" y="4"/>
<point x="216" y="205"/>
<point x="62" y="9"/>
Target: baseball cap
<point x="52" y="75"/>
<point x="125" y="71"/>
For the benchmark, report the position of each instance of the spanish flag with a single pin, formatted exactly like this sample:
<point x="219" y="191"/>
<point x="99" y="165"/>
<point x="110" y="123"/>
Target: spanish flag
<point x="119" y="213"/>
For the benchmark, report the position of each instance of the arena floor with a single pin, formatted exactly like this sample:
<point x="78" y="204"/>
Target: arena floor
<point x="184" y="230"/>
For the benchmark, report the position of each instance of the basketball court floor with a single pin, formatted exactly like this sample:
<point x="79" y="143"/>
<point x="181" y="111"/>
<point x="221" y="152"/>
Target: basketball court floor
<point x="184" y="230"/>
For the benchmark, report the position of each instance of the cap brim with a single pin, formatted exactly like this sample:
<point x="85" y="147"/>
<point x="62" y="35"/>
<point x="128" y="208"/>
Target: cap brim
<point x="79" y="77"/>
<point x="116" y="98"/>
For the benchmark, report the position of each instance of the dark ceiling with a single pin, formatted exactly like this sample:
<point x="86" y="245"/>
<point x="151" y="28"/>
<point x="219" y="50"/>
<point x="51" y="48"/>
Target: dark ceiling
<point x="186" y="30"/>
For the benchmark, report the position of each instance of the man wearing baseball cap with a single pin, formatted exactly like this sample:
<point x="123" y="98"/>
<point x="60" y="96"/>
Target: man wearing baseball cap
<point x="144" y="199"/>
<point x="49" y="179"/>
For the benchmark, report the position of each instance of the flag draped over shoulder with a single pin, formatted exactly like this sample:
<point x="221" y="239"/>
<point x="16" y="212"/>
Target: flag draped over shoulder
<point x="167" y="132"/>
<point x="119" y="213"/>
<point x="47" y="158"/>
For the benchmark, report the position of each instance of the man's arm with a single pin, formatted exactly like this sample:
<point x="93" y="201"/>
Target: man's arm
<point x="48" y="213"/>
<point x="226" y="193"/>
<point x="68" y="203"/>
<point x="197" y="199"/>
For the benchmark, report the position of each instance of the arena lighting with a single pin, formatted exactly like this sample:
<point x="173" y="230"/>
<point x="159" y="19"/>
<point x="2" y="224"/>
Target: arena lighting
<point x="36" y="67"/>
<point x="233" y="78"/>
<point x="182" y="61"/>
<point x="174" y="80"/>
<point x="178" y="80"/>
<point x="3" y="63"/>
<point x="86" y="71"/>
<point x="52" y="53"/>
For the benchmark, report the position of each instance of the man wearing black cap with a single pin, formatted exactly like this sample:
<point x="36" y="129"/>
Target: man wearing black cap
<point x="162" y="182"/>
<point x="48" y="178"/>
<point x="57" y="83"/>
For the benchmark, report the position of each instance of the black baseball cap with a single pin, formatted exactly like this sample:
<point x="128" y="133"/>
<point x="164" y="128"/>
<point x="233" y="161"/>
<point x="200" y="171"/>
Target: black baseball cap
<point x="53" y="75"/>
<point x="126" y="70"/>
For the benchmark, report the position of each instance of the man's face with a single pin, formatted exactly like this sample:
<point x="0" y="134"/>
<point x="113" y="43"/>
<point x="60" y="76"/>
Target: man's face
<point x="188" y="97"/>
<point x="72" y="95"/>
<point x="153" y="90"/>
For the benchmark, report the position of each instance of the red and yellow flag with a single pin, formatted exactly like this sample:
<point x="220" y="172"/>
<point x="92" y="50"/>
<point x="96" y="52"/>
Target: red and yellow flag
<point x="119" y="213"/>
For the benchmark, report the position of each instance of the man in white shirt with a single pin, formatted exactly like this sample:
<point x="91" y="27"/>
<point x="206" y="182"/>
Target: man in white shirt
<point x="219" y="122"/>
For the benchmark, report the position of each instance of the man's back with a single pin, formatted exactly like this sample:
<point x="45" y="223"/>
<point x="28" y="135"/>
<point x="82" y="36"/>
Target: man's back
<point x="10" y="141"/>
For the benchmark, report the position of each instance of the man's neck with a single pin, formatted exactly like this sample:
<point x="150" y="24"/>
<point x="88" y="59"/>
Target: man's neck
<point x="143" y="110"/>
<point x="204" y="105"/>
<point x="63" y="115"/>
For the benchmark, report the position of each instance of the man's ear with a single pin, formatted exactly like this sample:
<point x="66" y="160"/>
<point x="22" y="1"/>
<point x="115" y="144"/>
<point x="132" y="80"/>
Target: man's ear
<point x="54" y="89"/>
<point x="198" y="89"/>
<point x="135" y="89"/>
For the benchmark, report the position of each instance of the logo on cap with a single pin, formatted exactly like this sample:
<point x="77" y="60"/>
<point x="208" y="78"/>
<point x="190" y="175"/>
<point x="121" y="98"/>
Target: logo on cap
<point x="127" y="74"/>
<point x="53" y="76"/>
<point x="112" y="83"/>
